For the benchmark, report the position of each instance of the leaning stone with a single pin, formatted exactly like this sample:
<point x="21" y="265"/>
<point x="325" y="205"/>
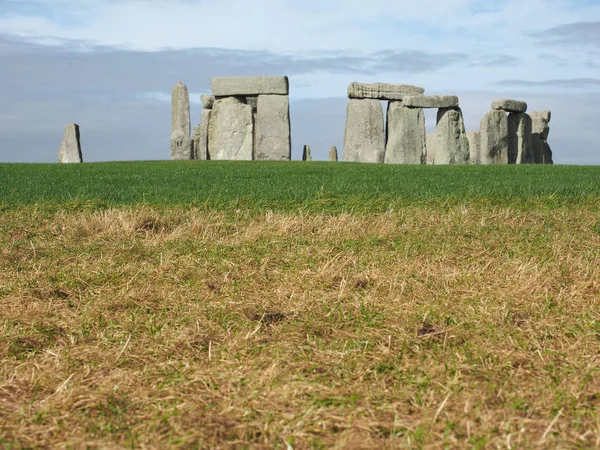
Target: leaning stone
<point x="507" y="105"/>
<point x="228" y="86"/>
<point x="364" y="138"/>
<point x="180" y="109"/>
<point x="231" y="131"/>
<point x="541" y="123"/>
<point x="70" y="147"/>
<point x="452" y="145"/>
<point x="182" y="146"/>
<point x="405" y="135"/>
<point x="474" y="138"/>
<point x="273" y="128"/>
<point x="520" y="144"/>
<point x="306" y="155"/>
<point x="431" y="141"/>
<point x="333" y="153"/>
<point x="382" y="91"/>
<point x="431" y="101"/>
<point x="207" y="101"/>
<point x="494" y="138"/>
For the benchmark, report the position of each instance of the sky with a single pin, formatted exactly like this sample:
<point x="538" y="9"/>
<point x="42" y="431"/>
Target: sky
<point x="110" y="65"/>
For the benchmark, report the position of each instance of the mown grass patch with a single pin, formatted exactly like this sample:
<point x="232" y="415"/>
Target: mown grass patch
<point x="471" y="325"/>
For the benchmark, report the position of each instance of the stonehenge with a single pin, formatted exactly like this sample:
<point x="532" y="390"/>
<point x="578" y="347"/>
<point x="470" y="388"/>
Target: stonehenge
<point x="248" y="118"/>
<point x="70" y="147"/>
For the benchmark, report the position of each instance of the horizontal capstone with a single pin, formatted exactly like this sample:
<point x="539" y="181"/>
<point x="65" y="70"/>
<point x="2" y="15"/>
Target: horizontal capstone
<point x="431" y="101"/>
<point x="382" y="91"/>
<point x="229" y="86"/>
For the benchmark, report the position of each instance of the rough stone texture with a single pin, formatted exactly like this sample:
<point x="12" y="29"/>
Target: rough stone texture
<point x="306" y="155"/>
<point x="333" y="153"/>
<point x="201" y="136"/>
<point x="70" y="148"/>
<point x="405" y="135"/>
<point x="542" y="153"/>
<point x="180" y="109"/>
<point x="504" y="104"/>
<point x="474" y="138"/>
<point x="431" y="101"/>
<point x="494" y="138"/>
<point x="273" y="141"/>
<point x="228" y="86"/>
<point x="364" y="139"/>
<point x="207" y="101"/>
<point x="382" y="91"/>
<point x="431" y="140"/>
<point x="231" y="131"/>
<point x="452" y="145"/>
<point x="520" y="144"/>
<point x="182" y="146"/>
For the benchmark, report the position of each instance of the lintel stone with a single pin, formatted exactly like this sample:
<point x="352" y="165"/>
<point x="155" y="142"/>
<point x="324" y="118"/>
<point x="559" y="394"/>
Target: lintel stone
<point x="230" y="86"/>
<point x="382" y="91"/>
<point x="514" y="106"/>
<point x="430" y="101"/>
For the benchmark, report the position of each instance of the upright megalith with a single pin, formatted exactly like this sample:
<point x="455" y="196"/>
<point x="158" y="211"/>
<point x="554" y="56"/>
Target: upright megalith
<point x="520" y="143"/>
<point x="474" y="138"/>
<point x="273" y="141"/>
<point x="333" y="153"/>
<point x="452" y="145"/>
<point x="542" y="153"/>
<point x="201" y="135"/>
<point x="494" y="138"/>
<point x="431" y="143"/>
<point x="306" y="155"/>
<point x="364" y="138"/>
<point x="182" y="145"/>
<point x="231" y="130"/>
<point x="405" y="135"/>
<point x="70" y="147"/>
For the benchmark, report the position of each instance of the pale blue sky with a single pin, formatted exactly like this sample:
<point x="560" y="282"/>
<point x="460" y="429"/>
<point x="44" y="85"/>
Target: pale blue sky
<point x="109" y="65"/>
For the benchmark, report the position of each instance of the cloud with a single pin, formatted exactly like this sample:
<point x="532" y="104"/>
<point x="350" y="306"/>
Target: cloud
<point x="575" y="83"/>
<point x="578" y="33"/>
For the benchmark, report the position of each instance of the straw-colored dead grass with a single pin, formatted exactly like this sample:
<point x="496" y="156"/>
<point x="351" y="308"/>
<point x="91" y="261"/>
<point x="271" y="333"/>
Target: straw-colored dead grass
<point x="462" y="327"/>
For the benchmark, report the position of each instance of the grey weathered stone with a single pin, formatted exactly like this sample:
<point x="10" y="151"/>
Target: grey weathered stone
<point x="431" y="101"/>
<point x="272" y="128"/>
<point x="182" y="146"/>
<point x="542" y="153"/>
<point x="207" y="101"/>
<point x="504" y="104"/>
<point x="333" y="153"/>
<point x="70" y="147"/>
<point x="494" y="138"/>
<point x="180" y="109"/>
<point x="520" y="144"/>
<point x="364" y="139"/>
<point x="231" y="131"/>
<point x="431" y="142"/>
<point x="474" y="138"/>
<point x="452" y="145"/>
<point x="405" y="135"/>
<point x="306" y="155"/>
<point x="228" y="86"/>
<point x="382" y="91"/>
<point x="201" y="136"/>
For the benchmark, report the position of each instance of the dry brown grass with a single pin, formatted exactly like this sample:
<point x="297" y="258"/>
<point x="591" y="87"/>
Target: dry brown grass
<point x="466" y="327"/>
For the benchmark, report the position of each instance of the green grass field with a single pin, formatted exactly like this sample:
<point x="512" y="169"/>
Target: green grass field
<point x="296" y="185"/>
<point x="299" y="306"/>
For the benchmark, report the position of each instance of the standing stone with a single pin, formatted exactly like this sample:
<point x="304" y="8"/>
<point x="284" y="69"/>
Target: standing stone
<point x="180" y="109"/>
<point x="431" y="141"/>
<point x="333" y="153"/>
<point x="452" y="145"/>
<point x="273" y="141"/>
<point x="494" y="138"/>
<point x="520" y="143"/>
<point x="201" y="135"/>
<point x="474" y="138"/>
<point x="70" y="148"/>
<point x="364" y="138"/>
<point x="182" y="146"/>
<point x="207" y="101"/>
<point x="306" y="155"/>
<point x="541" y="129"/>
<point x="231" y="131"/>
<point x="405" y="135"/>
